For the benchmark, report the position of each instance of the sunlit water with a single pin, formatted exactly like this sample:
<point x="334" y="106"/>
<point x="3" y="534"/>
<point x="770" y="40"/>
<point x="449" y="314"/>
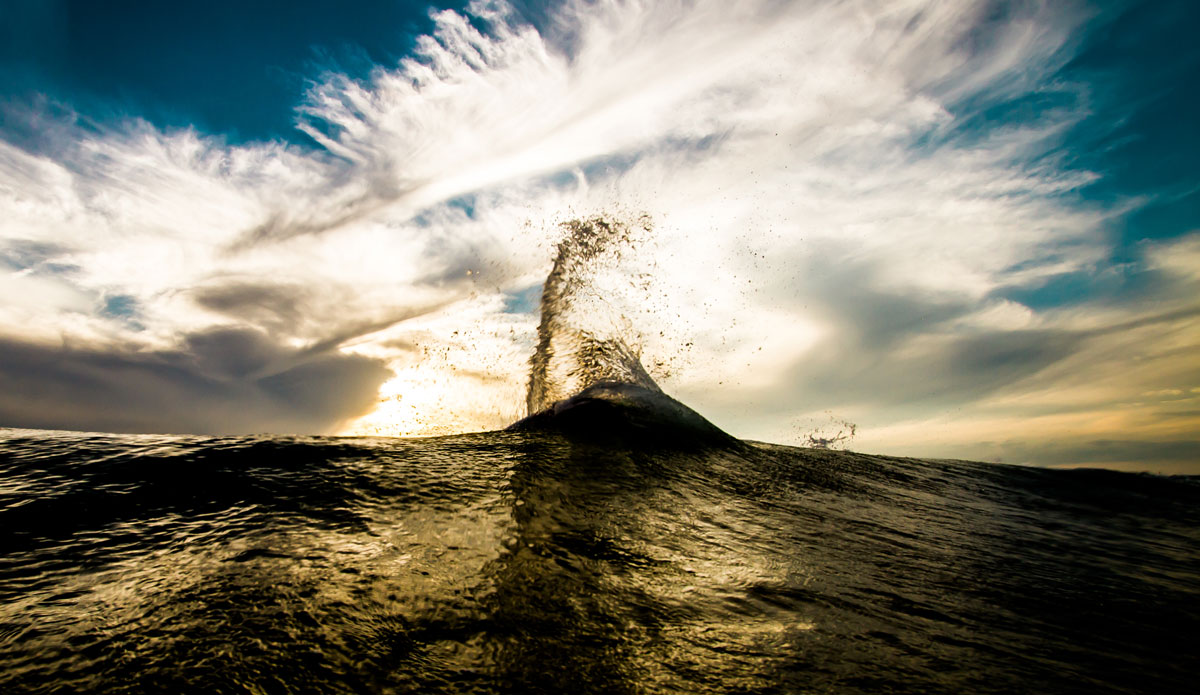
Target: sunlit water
<point x="525" y="562"/>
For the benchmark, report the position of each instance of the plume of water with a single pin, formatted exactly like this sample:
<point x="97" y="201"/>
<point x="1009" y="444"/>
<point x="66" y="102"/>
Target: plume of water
<point x="582" y="338"/>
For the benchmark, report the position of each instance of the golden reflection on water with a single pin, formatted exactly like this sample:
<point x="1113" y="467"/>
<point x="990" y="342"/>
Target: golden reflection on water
<point x="519" y="562"/>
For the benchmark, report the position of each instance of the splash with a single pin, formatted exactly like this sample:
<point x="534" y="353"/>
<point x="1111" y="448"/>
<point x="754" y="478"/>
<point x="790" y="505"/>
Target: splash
<point x="836" y="434"/>
<point x="586" y="378"/>
<point x="582" y="339"/>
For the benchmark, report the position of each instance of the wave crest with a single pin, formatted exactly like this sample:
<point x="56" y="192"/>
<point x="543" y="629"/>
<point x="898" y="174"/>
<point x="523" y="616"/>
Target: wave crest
<point x="582" y="339"/>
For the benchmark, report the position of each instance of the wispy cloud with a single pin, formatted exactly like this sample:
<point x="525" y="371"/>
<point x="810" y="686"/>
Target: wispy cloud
<point x="835" y="216"/>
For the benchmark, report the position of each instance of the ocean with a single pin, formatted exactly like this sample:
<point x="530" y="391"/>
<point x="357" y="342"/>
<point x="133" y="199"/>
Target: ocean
<point x="540" y="563"/>
<point x="614" y="541"/>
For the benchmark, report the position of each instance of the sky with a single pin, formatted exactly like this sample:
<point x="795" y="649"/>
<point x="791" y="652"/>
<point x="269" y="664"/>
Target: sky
<point x="970" y="229"/>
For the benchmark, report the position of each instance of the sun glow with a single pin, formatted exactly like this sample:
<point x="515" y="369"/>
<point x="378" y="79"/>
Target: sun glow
<point x="449" y="378"/>
<point x="422" y="402"/>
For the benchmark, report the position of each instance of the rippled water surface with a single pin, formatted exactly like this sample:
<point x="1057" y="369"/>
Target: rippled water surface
<point x="524" y="562"/>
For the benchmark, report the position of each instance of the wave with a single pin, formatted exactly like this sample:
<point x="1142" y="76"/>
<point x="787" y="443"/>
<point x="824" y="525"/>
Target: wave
<point x="586" y="377"/>
<point x="616" y="411"/>
<point x="520" y="562"/>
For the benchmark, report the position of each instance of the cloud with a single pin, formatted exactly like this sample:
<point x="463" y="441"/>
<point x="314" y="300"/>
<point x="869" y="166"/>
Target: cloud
<point x="229" y="381"/>
<point x="257" y="302"/>
<point x="1167" y="457"/>
<point x="837" y="225"/>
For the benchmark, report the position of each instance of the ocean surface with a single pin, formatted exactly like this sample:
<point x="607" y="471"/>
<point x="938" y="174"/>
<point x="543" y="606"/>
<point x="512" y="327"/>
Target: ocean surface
<point x="535" y="562"/>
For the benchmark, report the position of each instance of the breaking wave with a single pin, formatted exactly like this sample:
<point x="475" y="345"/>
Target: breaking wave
<point x="582" y="339"/>
<point x="586" y="376"/>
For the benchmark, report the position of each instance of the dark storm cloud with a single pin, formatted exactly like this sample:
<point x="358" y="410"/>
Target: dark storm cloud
<point x="316" y="314"/>
<point x="259" y="303"/>
<point x="224" y="381"/>
<point x="231" y="353"/>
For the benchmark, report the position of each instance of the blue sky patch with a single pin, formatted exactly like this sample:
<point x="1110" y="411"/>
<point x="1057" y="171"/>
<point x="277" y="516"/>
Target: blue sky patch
<point x="524" y="301"/>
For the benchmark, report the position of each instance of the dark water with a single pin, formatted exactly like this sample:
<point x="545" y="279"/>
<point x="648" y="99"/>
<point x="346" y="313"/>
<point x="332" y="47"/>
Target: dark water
<point x="527" y="562"/>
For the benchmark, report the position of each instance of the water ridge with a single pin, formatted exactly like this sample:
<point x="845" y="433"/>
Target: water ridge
<point x="581" y="339"/>
<point x="586" y="378"/>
